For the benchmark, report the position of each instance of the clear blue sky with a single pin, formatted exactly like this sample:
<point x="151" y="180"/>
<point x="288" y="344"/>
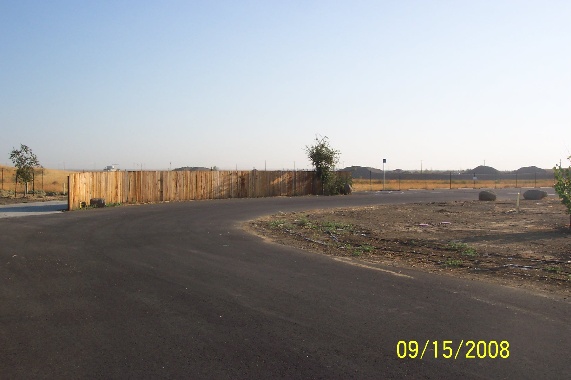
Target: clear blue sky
<point x="251" y="83"/>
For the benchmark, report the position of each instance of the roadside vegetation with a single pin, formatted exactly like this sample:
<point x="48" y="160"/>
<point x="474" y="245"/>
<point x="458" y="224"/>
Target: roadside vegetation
<point x="563" y="186"/>
<point x="26" y="163"/>
<point x="324" y="160"/>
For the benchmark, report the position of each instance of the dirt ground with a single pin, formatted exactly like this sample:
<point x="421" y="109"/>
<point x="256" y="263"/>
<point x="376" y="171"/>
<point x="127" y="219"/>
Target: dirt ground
<point x="31" y="198"/>
<point x="489" y="241"/>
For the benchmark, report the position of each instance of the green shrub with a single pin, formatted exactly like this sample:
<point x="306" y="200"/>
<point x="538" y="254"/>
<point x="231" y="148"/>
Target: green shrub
<point x="563" y="186"/>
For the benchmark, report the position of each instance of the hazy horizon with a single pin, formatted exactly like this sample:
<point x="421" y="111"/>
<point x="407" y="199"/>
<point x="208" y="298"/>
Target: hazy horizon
<point x="445" y="85"/>
<point x="285" y="168"/>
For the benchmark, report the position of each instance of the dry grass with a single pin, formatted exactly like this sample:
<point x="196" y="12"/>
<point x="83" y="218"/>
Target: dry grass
<point x="377" y="185"/>
<point x="49" y="180"/>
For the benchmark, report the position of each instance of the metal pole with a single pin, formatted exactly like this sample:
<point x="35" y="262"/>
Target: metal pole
<point x="384" y="161"/>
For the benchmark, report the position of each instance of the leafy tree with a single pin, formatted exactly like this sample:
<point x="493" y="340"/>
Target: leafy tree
<point x="324" y="158"/>
<point x="563" y="186"/>
<point x="25" y="161"/>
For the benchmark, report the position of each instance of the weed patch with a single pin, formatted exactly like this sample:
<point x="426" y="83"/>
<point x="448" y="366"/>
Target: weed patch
<point x="462" y="248"/>
<point x="452" y="263"/>
<point x="553" y="269"/>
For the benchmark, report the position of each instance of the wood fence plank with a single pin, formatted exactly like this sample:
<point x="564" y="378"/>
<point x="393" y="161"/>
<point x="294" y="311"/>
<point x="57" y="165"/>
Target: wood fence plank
<point x="156" y="186"/>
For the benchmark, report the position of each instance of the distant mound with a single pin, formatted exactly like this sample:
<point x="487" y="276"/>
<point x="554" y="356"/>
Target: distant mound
<point x="364" y="172"/>
<point x="482" y="170"/>
<point x="531" y="169"/>
<point x="192" y="169"/>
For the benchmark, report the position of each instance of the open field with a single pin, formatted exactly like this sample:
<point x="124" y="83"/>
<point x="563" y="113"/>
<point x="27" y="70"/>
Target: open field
<point x="395" y="184"/>
<point x="479" y="240"/>
<point x="48" y="180"/>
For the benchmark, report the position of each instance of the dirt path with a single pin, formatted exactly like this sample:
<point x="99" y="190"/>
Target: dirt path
<point x="484" y="240"/>
<point x="31" y="198"/>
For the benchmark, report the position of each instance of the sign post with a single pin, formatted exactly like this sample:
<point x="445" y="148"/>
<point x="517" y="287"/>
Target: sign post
<point x="384" y="162"/>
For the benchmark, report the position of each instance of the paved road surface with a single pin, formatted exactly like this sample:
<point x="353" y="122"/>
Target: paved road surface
<point x="180" y="291"/>
<point x="32" y="208"/>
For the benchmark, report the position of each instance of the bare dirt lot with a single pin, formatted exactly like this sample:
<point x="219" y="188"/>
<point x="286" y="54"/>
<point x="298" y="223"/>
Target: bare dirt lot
<point x="10" y="200"/>
<point x="490" y="241"/>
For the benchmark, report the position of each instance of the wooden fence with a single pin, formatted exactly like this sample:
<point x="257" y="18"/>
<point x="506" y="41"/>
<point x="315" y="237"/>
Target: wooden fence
<point x="161" y="186"/>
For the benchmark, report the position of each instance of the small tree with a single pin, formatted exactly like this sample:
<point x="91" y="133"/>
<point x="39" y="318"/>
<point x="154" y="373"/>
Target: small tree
<point x="324" y="158"/>
<point x="25" y="161"/>
<point x="563" y="186"/>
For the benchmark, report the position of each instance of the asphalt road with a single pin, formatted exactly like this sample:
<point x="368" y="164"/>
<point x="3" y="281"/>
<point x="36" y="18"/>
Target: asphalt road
<point x="32" y="208"/>
<point x="178" y="290"/>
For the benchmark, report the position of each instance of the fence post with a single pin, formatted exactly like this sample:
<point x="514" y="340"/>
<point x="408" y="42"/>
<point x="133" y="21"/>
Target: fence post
<point x="534" y="179"/>
<point x="450" y="180"/>
<point x="69" y="208"/>
<point x="294" y="181"/>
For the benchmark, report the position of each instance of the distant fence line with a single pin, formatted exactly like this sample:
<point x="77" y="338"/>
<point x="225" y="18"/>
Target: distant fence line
<point x="452" y="180"/>
<point x="51" y="184"/>
<point x="162" y="186"/>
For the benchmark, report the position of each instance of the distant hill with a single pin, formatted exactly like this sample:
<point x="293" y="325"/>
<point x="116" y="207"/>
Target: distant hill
<point x="361" y="172"/>
<point x="192" y="169"/>
<point x="531" y="169"/>
<point x="364" y="172"/>
<point x="482" y="170"/>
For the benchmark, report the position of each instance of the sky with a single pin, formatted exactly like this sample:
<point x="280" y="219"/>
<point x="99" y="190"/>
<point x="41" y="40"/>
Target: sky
<point x="250" y="84"/>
